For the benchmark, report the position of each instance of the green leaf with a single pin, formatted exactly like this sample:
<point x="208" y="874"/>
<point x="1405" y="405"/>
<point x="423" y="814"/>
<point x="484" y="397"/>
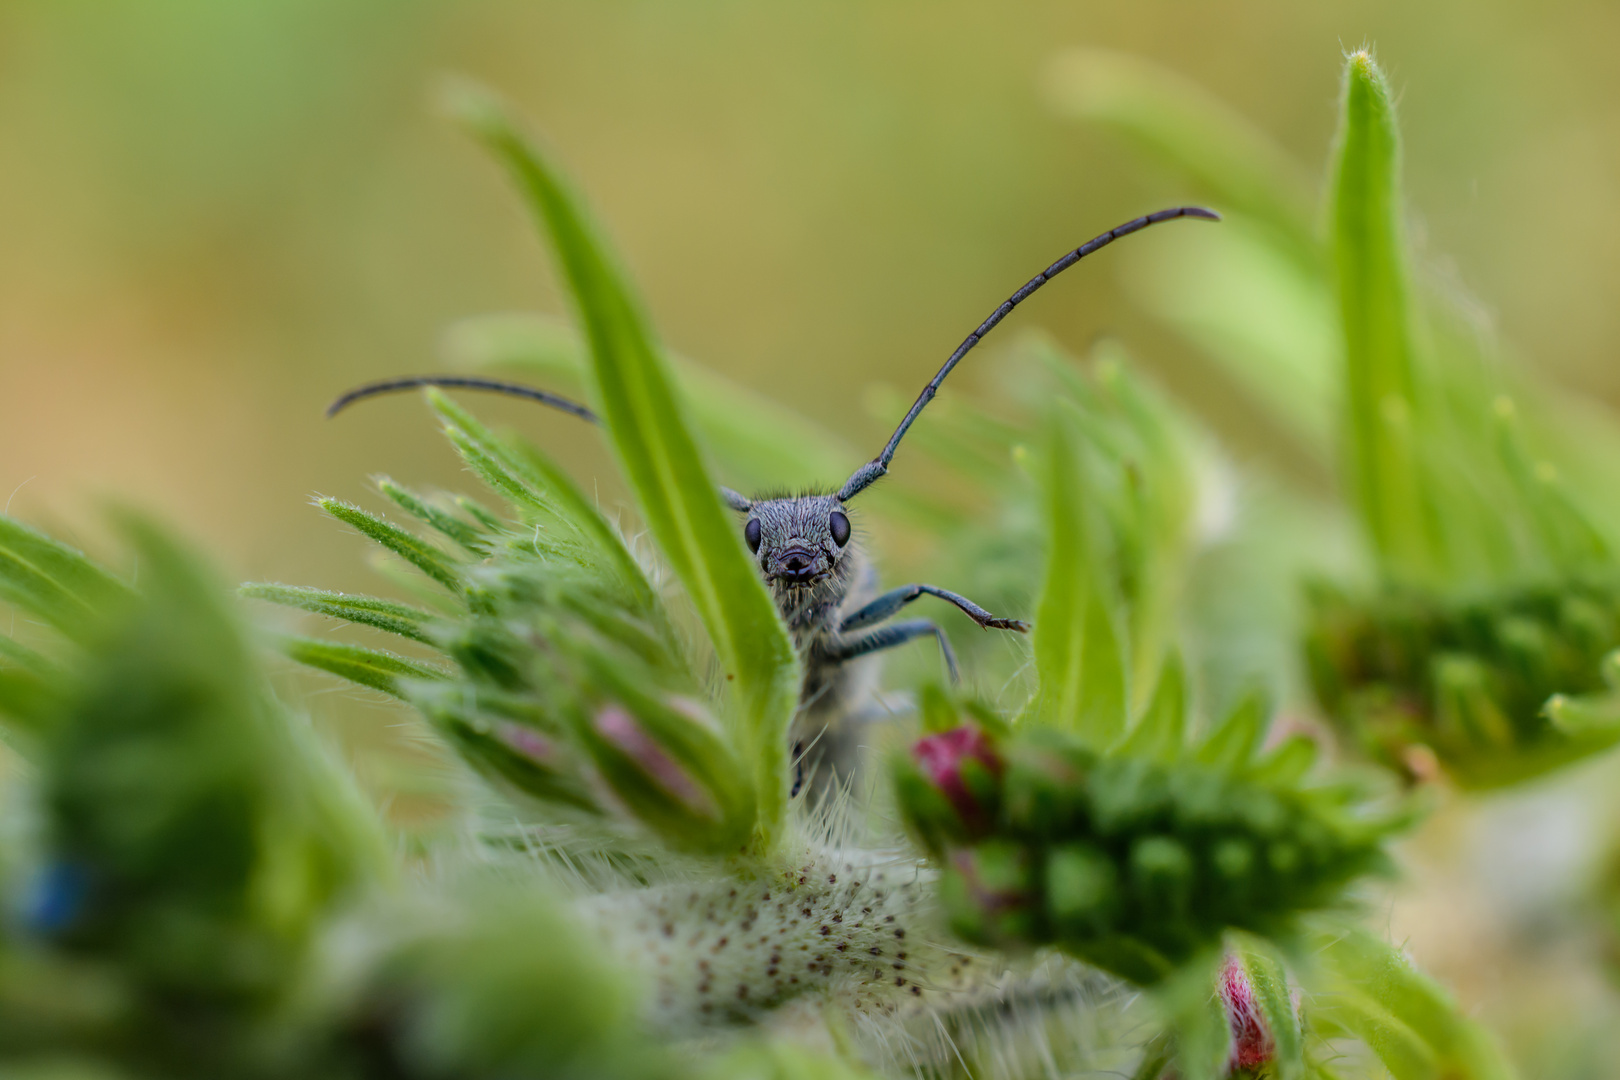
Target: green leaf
<point x="414" y="550"/>
<point x="385" y="615"/>
<point x="1078" y="656"/>
<point x="1375" y="309"/>
<point x="68" y="567"/>
<point x="1233" y="742"/>
<point x="664" y="466"/>
<point x="51" y="580"/>
<point x="541" y="484"/>
<point x="1161" y="730"/>
<point x="369" y="667"/>
<point x="1406" y="1019"/>
<point x="468" y="536"/>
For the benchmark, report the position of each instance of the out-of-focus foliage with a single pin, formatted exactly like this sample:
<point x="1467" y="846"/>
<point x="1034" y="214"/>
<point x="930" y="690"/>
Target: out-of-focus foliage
<point x="205" y="894"/>
<point x="1483" y="635"/>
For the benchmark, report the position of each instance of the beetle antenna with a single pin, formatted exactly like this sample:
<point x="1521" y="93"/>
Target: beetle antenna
<point x="461" y="382"/>
<point x="869" y="473"/>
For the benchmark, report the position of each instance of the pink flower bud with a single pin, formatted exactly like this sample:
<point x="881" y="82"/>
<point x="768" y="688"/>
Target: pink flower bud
<point x="1252" y="1043"/>
<point x="942" y="757"/>
<point x="625" y="734"/>
<point x="528" y="742"/>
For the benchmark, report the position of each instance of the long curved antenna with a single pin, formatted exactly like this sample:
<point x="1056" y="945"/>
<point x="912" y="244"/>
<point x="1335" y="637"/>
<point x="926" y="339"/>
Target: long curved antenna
<point x="461" y="382"/>
<point x="868" y="474"/>
<point x="732" y="499"/>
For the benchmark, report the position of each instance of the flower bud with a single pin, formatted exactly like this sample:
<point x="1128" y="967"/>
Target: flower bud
<point x="621" y="731"/>
<point x="1260" y="1014"/>
<point x="963" y="765"/>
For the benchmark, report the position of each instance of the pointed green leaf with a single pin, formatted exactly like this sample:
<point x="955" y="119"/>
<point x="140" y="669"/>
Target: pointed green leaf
<point x="1077" y="646"/>
<point x="1233" y="742"/>
<point x="385" y="615"/>
<point x="468" y="536"/>
<point x="51" y="580"/>
<point x="1161" y="731"/>
<point x="369" y="667"/>
<point x="550" y="486"/>
<point x="1369" y="255"/>
<point x="413" y="549"/>
<point x="665" y="468"/>
<point x="67" y="567"/>
<point x="1413" y="1026"/>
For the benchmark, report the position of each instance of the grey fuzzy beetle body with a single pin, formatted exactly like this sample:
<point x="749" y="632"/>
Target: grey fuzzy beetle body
<point x="807" y="553"/>
<point x="826" y="590"/>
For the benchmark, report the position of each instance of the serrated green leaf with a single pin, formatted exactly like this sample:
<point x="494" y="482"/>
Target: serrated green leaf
<point x="1375" y="309"/>
<point x="385" y="615"/>
<point x="369" y="667"/>
<point x="1078" y="659"/>
<point x="674" y="490"/>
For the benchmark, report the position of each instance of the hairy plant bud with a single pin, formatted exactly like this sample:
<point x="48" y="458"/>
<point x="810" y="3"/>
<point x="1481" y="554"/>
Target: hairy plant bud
<point x="1468" y="680"/>
<point x="1132" y="864"/>
<point x="1252" y="1043"/>
<point x="949" y="786"/>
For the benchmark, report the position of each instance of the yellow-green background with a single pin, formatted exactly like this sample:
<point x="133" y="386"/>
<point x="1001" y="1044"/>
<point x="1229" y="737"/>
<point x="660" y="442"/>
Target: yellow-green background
<point x="216" y="214"/>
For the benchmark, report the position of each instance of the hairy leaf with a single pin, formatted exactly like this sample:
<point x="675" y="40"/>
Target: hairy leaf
<point x="664" y="465"/>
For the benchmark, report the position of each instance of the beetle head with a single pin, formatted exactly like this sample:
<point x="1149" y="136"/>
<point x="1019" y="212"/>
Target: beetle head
<point x="798" y="541"/>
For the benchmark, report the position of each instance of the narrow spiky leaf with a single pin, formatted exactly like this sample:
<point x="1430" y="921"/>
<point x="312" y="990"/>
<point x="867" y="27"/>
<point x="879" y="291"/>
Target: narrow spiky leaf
<point x="369" y="667"/>
<point x="537" y="473"/>
<point x="413" y="549"/>
<point x="1402" y="1015"/>
<point x="468" y="536"/>
<point x="385" y="615"/>
<point x="1077" y="647"/>
<point x="1381" y="398"/>
<point x="664" y="465"/>
<point x="64" y="565"/>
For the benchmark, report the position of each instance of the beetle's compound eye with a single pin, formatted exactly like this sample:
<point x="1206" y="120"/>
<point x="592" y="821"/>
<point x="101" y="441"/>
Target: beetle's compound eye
<point x="751" y="534"/>
<point x="839" y="524"/>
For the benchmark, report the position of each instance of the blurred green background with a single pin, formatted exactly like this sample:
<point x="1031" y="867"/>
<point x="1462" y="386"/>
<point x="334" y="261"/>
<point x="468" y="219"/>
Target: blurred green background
<point x="216" y="214"/>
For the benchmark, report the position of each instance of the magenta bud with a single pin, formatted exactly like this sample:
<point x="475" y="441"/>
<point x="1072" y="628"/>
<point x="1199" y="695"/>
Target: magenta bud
<point x="528" y="742"/>
<point x="626" y="735"/>
<point x="1253" y="1045"/>
<point x="944" y="757"/>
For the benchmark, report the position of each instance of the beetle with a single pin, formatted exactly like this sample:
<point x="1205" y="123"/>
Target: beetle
<point x="809" y="556"/>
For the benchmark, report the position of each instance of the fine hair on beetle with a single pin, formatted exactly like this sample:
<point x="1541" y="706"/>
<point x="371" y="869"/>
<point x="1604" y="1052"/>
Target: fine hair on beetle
<point x="806" y="549"/>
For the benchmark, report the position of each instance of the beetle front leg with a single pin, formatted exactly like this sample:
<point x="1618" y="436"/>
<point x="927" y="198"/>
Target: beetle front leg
<point x="895" y="599"/>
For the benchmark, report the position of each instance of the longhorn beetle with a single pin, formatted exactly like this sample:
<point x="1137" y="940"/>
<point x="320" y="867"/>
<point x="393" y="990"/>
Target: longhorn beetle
<point x="806" y="550"/>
